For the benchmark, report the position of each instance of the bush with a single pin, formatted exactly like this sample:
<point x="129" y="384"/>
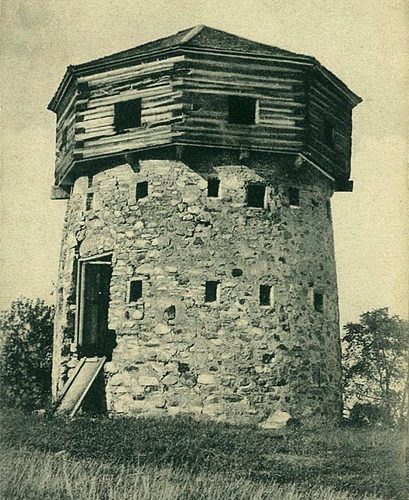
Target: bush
<point x="363" y="414"/>
<point x="26" y="331"/>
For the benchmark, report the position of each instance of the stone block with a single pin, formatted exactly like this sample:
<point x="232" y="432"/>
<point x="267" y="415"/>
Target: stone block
<point x="162" y="329"/>
<point x="206" y="379"/>
<point x="148" y="381"/>
<point x="170" y="379"/>
<point x="213" y="410"/>
<point x="277" y="420"/>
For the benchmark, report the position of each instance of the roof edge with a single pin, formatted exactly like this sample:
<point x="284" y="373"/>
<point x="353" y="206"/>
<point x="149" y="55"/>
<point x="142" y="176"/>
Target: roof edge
<point x="83" y="68"/>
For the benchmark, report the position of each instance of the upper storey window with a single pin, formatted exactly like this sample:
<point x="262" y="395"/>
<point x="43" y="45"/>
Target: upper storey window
<point x="127" y="114"/>
<point x="241" y="110"/>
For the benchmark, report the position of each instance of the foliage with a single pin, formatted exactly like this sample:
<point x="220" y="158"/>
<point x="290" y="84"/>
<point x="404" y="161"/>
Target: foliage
<point x="26" y="331"/>
<point x="375" y="360"/>
<point x="360" y="461"/>
<point x="368" y="413"/>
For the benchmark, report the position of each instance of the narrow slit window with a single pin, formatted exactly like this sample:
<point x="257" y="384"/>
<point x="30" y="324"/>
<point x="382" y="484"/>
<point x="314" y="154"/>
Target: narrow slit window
<point x="319" y="302"/>
<point x="256" y="194"/>
<point x="265" y="295"/>
<point x="294" y="197"/>
<point x="89" y="201"/>
<point x="213" y="185"/>
<point x="90" y="181"/>
<point x="241" y="110"/>
<point x="328" y="133"/>
<point x="127" y="114"/>
<point x="141" y="190"/>
<point x="135" y="290"/>
<point x="212" y="291"/>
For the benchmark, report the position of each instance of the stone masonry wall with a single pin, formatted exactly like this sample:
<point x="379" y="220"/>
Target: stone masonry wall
<point x="234" y="359"/>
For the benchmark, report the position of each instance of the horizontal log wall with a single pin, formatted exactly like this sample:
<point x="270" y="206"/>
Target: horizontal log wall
<point x="184" y="100"/>
<point x="328" y="104"/>
<point x="65" y="134"/>
<point x="279" y="91"/>
<point x="91" y="126"/>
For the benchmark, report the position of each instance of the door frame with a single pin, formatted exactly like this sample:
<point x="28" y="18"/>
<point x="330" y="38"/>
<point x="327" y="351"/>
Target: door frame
<point x="80" y="291"/>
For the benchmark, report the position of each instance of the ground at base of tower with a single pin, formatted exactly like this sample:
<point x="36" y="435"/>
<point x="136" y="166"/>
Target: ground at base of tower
<point x="181" y="458"/>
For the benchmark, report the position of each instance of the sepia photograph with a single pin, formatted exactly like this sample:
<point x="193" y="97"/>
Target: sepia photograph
<point x="204" y="250"/>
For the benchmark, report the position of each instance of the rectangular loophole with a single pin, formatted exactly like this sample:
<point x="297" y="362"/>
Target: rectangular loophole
<point x="213" y="185"/>
<point x="255" y="195"/>
<point x="294" y="196"/>
<point x="241" y="110"/>
<point x="89" y="201"/>
<point x="127" y="114"/>
<point x="135" y="290"/>
<point x="212" y="291"/>
<point x="141" y="190"/>
<point x="319" y="301"/>
<point x="265" y="293"/>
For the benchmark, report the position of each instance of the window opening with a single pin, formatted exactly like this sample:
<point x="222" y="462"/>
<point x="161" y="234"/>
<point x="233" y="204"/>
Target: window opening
<point x="265" y="295"/>
<point x="294" y="197"/>
<point x="241" y="110"/>
<point x="135" y="290"/>
<point x="213" y="185"/>
<point x="319" y="302"/>
<point x="90" y="201"/>
<point x="212" y="291"/>
<point x="127" y="114"/>
<point x="90" y="181"/>
<point x="256" y="195"/>
<point x="141" y="190"/>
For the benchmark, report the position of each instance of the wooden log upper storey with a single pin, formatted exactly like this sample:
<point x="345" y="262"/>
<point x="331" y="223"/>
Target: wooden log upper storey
<point x="183" y="93"/>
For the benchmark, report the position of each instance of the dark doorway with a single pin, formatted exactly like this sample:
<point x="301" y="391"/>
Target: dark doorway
<point x="95" y="339"/>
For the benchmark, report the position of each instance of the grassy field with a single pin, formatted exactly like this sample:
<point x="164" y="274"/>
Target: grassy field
<point x="180" y="458"/>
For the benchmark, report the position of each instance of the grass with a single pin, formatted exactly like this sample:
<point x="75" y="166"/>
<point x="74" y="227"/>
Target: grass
<point x="181" y="458"/>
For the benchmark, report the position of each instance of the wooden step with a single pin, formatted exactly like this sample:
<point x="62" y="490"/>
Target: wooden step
<point x="78" y="385"/>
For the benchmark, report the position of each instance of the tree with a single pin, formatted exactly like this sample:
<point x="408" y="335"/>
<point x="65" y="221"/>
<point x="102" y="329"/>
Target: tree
<point x="26" y="331"/>
<point x="376" y="363"/>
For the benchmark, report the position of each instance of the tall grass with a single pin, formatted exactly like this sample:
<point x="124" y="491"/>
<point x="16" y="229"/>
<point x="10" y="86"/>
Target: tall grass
<point x="181" y="456"/>
<point x="27" y="475"/>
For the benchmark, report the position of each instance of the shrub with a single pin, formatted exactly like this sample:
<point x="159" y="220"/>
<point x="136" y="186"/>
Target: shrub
<point x="369" y="414"/>
<point x="26" y="331"/>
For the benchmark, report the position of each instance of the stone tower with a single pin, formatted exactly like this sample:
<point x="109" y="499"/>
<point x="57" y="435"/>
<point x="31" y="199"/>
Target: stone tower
<point x="197" y="253"/>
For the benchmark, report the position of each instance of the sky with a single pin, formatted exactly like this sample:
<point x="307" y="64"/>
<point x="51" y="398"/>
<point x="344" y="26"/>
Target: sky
<point x="365" y="43"/>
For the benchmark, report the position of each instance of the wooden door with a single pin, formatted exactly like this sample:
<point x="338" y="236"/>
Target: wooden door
<point x="95" y="338"/>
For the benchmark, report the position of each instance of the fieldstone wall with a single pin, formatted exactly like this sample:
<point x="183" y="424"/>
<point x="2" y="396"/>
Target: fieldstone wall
<point x="232" y="359"/>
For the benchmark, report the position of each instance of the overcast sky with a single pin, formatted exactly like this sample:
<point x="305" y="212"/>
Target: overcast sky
<point x="364" y="42"/>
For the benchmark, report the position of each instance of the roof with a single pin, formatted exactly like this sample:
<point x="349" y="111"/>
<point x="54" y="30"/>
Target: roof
<point x="198" y="37"/>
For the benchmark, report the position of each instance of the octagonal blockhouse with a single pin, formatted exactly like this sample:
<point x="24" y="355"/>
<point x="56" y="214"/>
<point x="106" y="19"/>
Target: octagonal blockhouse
<point x="197" y="268"/>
